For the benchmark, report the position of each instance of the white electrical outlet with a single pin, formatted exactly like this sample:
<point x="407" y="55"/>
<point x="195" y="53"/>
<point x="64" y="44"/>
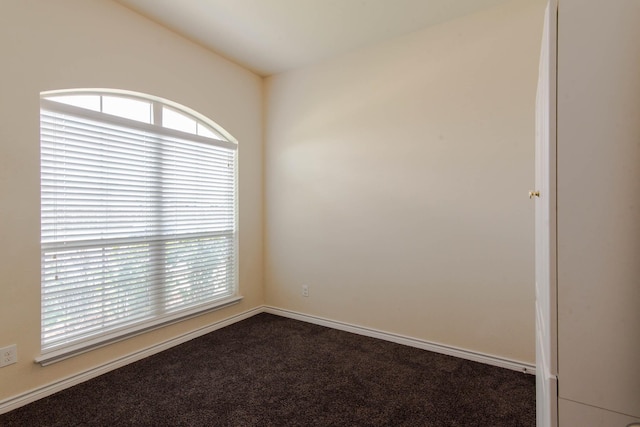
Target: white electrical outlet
<point x="8" y="355"/>
<point x="305" y="290"/>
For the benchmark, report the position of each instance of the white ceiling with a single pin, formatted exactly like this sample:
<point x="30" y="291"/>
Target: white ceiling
<point x="271" y="36"/>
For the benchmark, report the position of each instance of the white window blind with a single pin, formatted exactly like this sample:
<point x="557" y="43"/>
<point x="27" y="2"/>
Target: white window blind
<point x="138" y="224"/>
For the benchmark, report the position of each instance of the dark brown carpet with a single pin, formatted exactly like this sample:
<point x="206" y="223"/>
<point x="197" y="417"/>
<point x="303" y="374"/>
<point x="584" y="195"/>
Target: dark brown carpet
<point x="272" y="371"/>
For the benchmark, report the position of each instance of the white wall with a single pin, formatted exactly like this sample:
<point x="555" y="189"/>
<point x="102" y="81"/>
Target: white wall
<point x="60" y="44"/>
<point x="397" y="179"/>
<point x="598" y="212"/>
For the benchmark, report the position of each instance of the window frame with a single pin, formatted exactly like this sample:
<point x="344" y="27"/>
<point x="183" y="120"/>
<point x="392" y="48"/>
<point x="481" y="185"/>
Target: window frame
<point x="51" y="354"/>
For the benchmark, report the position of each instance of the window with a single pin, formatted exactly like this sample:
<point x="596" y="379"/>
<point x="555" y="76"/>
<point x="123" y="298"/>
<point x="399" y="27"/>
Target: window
<point x="138" y="217"/>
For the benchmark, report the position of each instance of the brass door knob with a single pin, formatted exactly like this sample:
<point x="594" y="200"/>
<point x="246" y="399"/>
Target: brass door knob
<point x="533" y="194"/>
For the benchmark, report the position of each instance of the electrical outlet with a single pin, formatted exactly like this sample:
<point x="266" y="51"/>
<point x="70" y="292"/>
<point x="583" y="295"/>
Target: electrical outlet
<point x="8" y="355"/>
<point x="305" y="290"/>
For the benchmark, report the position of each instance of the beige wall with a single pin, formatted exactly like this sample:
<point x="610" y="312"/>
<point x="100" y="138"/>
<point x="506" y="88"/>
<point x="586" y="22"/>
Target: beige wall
<point x="396" y="184"/>
<point x="396" y="175"/>
<point x="60" y="44"/>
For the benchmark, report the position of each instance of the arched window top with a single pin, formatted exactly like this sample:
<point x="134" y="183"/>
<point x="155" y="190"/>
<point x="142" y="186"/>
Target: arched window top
<point x="143" y="108"/>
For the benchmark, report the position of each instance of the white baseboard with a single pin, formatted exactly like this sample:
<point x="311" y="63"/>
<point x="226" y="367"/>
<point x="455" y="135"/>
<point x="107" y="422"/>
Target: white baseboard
<point x="404" y="340"/>
<point x="47" y="390"/>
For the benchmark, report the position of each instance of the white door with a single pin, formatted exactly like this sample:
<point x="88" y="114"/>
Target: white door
<point x="545" y="227"/>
